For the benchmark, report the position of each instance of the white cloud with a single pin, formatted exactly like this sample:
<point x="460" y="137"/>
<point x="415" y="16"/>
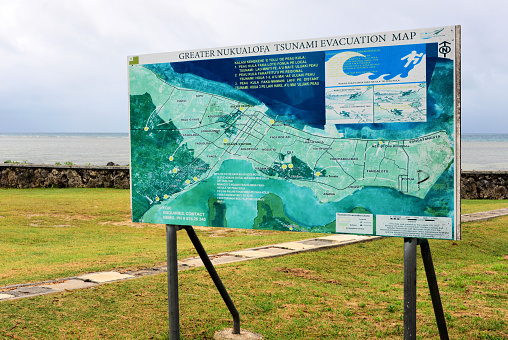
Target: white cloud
<point x="63" y="63"/>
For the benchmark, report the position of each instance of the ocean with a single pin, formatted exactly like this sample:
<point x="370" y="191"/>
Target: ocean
<point x="76" y="148"/>
<point x="479" y="151"/>
<point x="484" y="152"/>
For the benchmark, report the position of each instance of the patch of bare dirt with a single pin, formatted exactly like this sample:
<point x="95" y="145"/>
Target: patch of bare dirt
<point x="305" y="274"/>
<point x="222" y="232"/>
<point x="62" y="216"/>
<point x="129" y="223"/>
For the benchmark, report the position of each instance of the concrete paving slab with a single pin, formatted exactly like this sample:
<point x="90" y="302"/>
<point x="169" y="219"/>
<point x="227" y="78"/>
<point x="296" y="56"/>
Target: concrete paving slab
<point x="484" y="215"/>
<point x="146" y="272"/>
<point x="275" y="250"/>
<point x="251" y="253"/>
<point x="349" y="239"/>
<point x="193" y="262"/>
<point x="220" y="259"/>
<point x="342" y="238"/>
<point x="105" y="277"/>
<point x="181" y="266"/>
<point x="31" y="291"/>
<point x="317" y="242"/>
<point x="296" y="246"/>
<point x="216" y="260"/>
<point x="5" y="296"/>
<point x="70" y="285"/>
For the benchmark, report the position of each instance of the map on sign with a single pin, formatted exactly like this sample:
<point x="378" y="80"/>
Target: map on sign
<point x="337" y="140"/>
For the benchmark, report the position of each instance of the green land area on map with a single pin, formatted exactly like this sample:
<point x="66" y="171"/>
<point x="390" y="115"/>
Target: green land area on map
<point x="181" y="137"/>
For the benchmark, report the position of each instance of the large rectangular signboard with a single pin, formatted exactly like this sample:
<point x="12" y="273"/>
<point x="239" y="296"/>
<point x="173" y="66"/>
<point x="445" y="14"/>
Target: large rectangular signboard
<point x="356" y="134"/>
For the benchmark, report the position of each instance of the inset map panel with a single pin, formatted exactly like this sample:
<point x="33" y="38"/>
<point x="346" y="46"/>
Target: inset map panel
<point x="400" y="103"/>
<point x="376" y="85"/>
<point x="350" y="105"/>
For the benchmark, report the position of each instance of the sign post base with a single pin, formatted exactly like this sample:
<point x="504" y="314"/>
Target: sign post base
<point x="227" y="334"/>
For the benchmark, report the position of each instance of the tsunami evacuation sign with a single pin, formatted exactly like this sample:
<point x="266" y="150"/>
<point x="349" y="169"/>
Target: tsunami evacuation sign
<point x="355" y="134"/>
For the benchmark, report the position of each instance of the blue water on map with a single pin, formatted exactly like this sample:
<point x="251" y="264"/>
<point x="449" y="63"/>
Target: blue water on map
<point x="299" y="201"/>
<point x="387" y="62"/>
<point x="303" y="104"/>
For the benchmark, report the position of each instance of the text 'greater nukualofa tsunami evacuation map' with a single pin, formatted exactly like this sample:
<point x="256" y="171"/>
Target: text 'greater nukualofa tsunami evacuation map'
<point x="351" y="139"/>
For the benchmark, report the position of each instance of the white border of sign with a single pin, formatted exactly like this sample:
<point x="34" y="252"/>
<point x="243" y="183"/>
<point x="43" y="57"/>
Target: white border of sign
<point x="438" y="35"/>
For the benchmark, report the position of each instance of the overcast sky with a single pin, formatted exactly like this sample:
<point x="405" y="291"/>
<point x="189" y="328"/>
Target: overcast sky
<point x="64" y="63"/>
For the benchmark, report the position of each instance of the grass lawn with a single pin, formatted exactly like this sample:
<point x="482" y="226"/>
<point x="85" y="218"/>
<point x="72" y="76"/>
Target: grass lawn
<point x="472" y="206"/>
<point x="353" y="292"/>
<point x="55" y="233"/>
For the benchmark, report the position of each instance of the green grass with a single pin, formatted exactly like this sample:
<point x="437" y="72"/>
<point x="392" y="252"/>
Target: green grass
<point x="57" y="233"/>
<point x="472" y="206"/>
<point x="353" y="292"/>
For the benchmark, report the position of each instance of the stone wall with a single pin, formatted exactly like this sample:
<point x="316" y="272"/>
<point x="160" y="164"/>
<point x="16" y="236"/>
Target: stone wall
<point x="63" y="176"/>
<point x="484" y="185"/>
<point x="474" y="184"/>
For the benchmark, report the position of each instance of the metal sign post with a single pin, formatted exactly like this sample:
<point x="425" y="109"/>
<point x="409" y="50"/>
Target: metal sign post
<point x="173" y="301"/>
<point x="410" y="245"/>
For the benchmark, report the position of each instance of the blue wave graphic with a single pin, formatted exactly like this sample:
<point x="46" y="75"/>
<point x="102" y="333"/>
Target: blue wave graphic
<point x="383" y="62"/>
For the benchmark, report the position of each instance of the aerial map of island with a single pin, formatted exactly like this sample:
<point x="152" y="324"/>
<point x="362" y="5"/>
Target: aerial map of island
<point x="354" y="140"/>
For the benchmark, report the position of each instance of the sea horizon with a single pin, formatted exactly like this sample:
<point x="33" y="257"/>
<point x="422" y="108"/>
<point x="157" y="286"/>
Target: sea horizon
<point x="66" y="134"/>
<point x="467" y="136"/>
<point x="479" y="151"/>
<point x="77" y="148"/>
<point x="484" y="137"/>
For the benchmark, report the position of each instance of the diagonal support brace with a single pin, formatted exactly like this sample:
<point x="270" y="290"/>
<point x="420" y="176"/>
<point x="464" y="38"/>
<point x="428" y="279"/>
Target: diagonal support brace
<point x="410" y="247"/>
<point x="173" y="299"/>
<point x="215" y="277"/>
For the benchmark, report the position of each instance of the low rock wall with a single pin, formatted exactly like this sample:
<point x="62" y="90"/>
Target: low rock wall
<point x="63" y="176"/>
<point x="484" y="185"/>
<point x="474" y="184"/>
